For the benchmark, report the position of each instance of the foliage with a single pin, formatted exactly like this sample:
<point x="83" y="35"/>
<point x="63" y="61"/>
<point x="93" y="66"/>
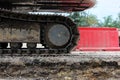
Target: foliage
<point x="84" y="19"/>
<point x="110" y="22"/>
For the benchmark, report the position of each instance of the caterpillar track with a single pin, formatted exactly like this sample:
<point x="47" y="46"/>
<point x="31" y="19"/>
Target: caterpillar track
<point x="8" y="17"/>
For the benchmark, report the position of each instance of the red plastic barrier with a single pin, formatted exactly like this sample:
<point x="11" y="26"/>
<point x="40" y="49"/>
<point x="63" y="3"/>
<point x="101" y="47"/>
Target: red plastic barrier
<point x="94" y="39"/>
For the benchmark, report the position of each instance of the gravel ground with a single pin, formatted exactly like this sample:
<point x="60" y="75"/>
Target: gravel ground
<point x="83" y="67"/>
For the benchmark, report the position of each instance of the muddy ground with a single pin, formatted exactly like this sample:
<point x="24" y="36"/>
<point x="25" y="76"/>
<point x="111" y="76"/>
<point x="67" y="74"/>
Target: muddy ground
<point x="61" y="71"/>
<point x="36" y="69"/>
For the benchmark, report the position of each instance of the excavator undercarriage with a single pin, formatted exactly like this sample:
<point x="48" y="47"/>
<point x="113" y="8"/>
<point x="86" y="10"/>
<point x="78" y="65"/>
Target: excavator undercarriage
<point x="58" y="34"/>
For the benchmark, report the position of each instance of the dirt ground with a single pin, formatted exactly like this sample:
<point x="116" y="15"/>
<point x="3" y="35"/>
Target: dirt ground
<point x="37" y="70"/>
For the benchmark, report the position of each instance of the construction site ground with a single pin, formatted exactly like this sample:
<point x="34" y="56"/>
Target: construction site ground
<point x="84" y="65"/>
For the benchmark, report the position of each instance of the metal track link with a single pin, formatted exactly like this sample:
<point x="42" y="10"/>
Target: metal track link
<point x="29" y="52"/>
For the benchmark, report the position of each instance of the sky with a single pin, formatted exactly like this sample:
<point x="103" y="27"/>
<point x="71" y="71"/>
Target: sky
<point x="105" y="8"/>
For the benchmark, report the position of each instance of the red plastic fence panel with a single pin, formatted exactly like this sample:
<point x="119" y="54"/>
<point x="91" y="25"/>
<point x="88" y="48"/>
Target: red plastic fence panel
<point x="97" y="38"/>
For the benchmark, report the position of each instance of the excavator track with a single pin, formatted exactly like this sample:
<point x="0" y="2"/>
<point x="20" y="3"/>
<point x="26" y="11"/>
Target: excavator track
<point x="9" y="18"/>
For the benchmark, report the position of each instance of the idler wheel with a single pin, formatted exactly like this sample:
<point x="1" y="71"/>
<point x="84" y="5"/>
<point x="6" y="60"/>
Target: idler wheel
<point x="16" y="45"/>
<point x="57" y="36"/>
<point x="3" y="45"/>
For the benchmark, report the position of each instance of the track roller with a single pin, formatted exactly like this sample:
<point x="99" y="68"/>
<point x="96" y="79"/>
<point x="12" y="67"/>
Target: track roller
<point x="3" y="45"/>
<point x="16" y="45"/>
<point x="31" y="45"/>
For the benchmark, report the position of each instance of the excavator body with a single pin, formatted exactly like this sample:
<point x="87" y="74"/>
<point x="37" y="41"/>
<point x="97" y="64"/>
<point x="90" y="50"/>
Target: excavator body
<point x="62" y="5"/>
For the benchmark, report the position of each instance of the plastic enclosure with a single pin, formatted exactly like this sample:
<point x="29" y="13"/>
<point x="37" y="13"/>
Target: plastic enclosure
<point x="94" y="39"/>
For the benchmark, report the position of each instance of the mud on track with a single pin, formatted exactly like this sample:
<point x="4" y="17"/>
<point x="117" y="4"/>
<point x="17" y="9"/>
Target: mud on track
<point x="81" y="67"/>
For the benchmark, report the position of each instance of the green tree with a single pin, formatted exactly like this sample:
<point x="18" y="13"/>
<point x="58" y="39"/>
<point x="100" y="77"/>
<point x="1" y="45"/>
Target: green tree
<point x="92" y="20"/>
<point x="84" y="19"/>
<point x="107" y="22"/>
<point x="78" y="18"/>
<point x="110" y="22"/>
<point x="118" y="21"/>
